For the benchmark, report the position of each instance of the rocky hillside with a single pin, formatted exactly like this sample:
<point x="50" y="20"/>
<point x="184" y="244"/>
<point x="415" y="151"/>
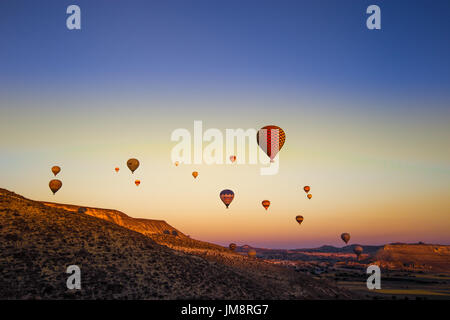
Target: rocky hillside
<point x="426" y="257"/>
<point x="158" y="230"/>
<point x="38" y="241"/>
<point x="144" y="226"/>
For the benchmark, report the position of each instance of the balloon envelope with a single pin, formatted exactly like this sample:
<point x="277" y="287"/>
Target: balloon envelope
<point x="117" y="169"/>
<point x="195" y="174"/>
<point x="56" y="170"/>
<point x="232" y="246"/>
<point x="271" y="139"/>
<point x="137" y="182"/>
<point x="55" y="185"/>
<point x="299" y="219"/>
<point x="345" y="237"/>
<point x="307" y="188"/>
<point x="133" y="164"/>
<point x="232" y="158"/>
<point x="177" y="163"/>
<point x="227" y="196"/>
<point x="309" y="195"/>
<point x="265" y="204"/>
<point x="358" y="250"/>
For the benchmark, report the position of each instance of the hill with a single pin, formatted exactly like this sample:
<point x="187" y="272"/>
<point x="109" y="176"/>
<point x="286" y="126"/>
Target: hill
<point x="39" y="240"/>
<point x="418" y="257"/>
<point x="324" y="253"/>
<point x="158" y="230"/>
<point x="346" y="249"/>
<point x="144" y="226"/>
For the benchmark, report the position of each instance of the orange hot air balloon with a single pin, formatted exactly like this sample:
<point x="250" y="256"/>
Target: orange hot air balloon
<point x="227" y="196"/>
<point x="306" y="188"/>
<point x="251" y="253"/>
<point x="232" y="246"/>
<point x="55" y="185"/>
<point x="345" y="237"/>
<point x="299" y="219"/>
<point x="177" y="163"/>
<point x="309" y="195"/>
<point x="56" y="170"/>
<point x="117" y="169"/>
<point x="195" y="174"/>
<point x="233" y="158"/>
<point x="137" y="183"/>
<point x="133" y="164"/>
<point x="271" y="139"/>
<point x="266" y="204"/>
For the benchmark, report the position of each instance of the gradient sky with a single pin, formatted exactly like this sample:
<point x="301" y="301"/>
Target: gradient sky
<point x="366" y="113"/>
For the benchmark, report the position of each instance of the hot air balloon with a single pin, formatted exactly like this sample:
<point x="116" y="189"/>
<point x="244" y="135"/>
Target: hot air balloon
<point x="137" y="182"/>
<point x="358" y="250"/>
<point x="306" y="188"/>
<point x="55" y="185"/>
<point x="56" y="170"/>
<point x="177" y="163"/>
<point x="309" y="195"/>
<point x="265" y="204"/>
<point x="195" y="174"/>
<point x="232" y="246"/>
<point x="345" y="237"/>
<point x="133" y="164"/>
<point x="251" y="253"/>
<point x="271" y="139"/>
<point x="227" y="196"/>
<point x="232" y="158"/>
<point x="299" y="219"/>
<point x="117" y="169"/>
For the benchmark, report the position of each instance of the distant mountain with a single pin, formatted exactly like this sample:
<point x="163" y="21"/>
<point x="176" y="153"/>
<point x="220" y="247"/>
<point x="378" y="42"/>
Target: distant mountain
<point x="346" y="249"/>
<point x="276" y="253"/>
<point x="39" y="240"/>
<point x="395" y="256"/>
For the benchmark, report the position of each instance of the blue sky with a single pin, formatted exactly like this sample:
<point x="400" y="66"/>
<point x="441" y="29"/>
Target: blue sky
<point x="227" y="46"/>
